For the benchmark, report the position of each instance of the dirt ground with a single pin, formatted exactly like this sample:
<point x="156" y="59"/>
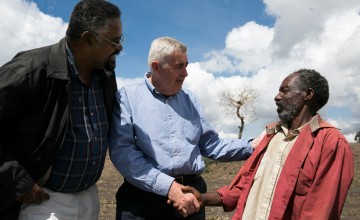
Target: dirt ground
<point x="216" y="175"/>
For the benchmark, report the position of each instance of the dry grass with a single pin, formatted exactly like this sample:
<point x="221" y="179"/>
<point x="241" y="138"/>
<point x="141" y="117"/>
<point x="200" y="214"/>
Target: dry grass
<point x="217" y="175"/>
<point x="351" y="209"/>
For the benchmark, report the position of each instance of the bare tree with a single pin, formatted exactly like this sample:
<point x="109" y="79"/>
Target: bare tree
<point x="240" y="101"/>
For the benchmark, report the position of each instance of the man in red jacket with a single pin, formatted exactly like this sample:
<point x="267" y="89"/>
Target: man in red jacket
<point x="302" y="167"/>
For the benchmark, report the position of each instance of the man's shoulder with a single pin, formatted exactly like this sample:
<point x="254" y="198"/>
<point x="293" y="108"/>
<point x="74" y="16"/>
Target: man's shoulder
<point x="29" y="58"/>
<point x="332" y="132"/>
<point x="132" y="86"/>
<point x="331" y="138"/>
<point x="27" y="61"/>
<point x="136" y="89"/>
<point x="42" y="51"/>
<point x="323" y="127"/>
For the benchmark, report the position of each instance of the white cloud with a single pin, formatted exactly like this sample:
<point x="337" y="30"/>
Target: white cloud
<point x="322" y="35"/>
<point x="218" y="62"/>
<point x="250" y="37"/>
<point x="247" y="50"/>
<point x="22" y="27"/>
<point x="299" y="20"/>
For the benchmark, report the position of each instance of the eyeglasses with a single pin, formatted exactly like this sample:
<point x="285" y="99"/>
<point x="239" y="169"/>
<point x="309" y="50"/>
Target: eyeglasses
<point x="116" y="45"/>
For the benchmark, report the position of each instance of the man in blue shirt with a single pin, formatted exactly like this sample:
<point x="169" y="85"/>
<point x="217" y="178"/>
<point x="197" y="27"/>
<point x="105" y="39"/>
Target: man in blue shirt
<point x="159" y="136"/>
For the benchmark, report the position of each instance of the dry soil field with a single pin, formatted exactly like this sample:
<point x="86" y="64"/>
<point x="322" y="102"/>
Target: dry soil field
<point x="216" y="175"/>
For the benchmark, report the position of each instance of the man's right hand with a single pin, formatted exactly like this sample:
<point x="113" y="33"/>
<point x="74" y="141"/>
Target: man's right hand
<point x="35" y="195"/>
<point x="197" y="194"/>
<point x="185" y="203"/>
<point x="188" y="190"/>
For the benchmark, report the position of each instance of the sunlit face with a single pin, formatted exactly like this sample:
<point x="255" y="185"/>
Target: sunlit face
<point x="109" y="45"/>
<point x="290" y="100"/>
<point x="169" y="77"/>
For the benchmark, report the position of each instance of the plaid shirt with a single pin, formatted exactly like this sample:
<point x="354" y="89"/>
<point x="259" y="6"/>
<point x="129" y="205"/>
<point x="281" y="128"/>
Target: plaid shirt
<point x="81" y="158"/>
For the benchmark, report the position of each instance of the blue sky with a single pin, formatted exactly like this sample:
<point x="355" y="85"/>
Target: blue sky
<point x="202" y="25"/>
<point x="231" y="44"/>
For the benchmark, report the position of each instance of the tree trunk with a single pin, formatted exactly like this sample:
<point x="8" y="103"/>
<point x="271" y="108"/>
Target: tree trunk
<point x="241" y="128"/>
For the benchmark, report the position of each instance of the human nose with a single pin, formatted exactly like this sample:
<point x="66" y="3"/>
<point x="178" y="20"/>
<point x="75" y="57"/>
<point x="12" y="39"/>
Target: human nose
<point x="184" y="72"/>
<point x="277" y="97"/>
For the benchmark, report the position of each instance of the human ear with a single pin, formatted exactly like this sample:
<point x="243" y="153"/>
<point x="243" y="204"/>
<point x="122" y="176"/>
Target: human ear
<point x="309" y="94"/>
<point x="155" y="65"/>
<point x="86" y="38"/>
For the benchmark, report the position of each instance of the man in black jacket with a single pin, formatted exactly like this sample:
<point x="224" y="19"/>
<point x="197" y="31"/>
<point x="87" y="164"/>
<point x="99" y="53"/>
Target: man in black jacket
<point x="55" y="112"/>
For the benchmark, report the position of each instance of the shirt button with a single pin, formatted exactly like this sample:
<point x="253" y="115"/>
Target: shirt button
<point x="91" y="114"/>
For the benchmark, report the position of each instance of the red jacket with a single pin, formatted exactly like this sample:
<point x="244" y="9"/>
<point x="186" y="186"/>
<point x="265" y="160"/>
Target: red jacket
<point x="313" y="182"/>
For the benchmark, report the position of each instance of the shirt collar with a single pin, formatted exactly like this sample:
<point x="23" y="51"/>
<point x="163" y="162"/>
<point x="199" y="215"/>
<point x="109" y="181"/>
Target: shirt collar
<point x="151" y="86"/>
<point x="315" y="123"/>
<point x="148" y="83"/>
<point x="283" y="127"/>
<point x="71" y="60"/>
<point x="293" y="134"/>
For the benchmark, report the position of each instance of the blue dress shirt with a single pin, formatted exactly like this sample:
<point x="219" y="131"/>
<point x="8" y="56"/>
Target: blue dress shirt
<point x="154" y="138"/>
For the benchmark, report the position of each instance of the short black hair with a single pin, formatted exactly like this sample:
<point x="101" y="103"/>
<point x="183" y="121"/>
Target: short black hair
<point x="312" y="79"/>
<point x="90" y="15"/>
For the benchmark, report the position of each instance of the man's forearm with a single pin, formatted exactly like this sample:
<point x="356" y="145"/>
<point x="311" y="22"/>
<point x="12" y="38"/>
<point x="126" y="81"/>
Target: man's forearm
<point x="211" y="199"/>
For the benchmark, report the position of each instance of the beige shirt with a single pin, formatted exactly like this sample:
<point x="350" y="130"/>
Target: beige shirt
<point x="258" y="203"/>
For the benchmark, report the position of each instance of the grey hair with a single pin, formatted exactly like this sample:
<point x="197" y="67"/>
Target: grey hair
<point x="162" y="47"/>
<point x="91" y="15"/>
<point x="311" y="79"/>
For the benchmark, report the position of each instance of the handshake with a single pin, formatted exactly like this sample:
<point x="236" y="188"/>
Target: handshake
<point x="188" y="201"/>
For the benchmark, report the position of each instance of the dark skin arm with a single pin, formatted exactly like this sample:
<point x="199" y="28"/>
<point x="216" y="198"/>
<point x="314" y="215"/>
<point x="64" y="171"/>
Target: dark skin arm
<point x="212" y="199"/>
<point x="205" y="199"/>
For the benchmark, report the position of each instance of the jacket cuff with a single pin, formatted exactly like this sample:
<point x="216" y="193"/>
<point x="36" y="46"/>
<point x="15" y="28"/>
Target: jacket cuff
<point x="229" y="201"/>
